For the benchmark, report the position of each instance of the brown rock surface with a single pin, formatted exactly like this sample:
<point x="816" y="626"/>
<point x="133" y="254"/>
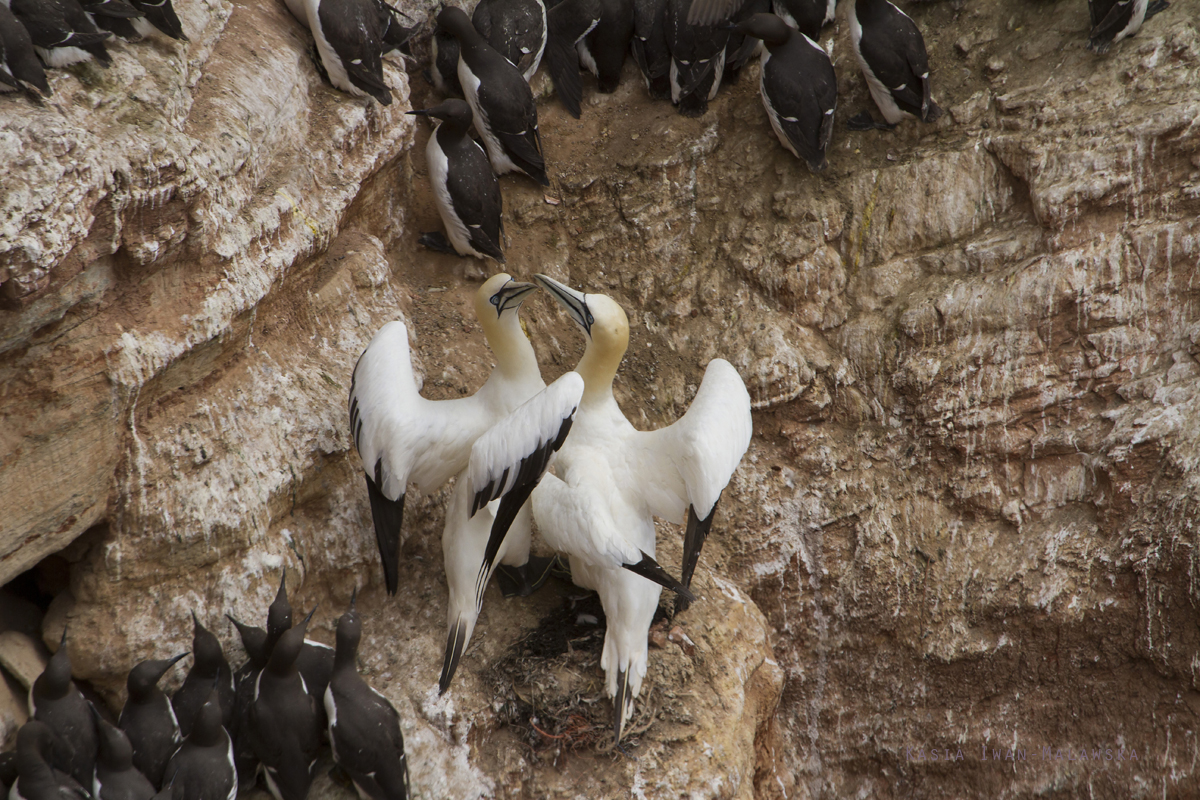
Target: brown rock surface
<point x="969" y="514"/>
<point x="22" y="657"/>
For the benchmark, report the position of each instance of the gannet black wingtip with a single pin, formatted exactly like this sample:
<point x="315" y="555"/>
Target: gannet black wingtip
<point x="388" y="516"/>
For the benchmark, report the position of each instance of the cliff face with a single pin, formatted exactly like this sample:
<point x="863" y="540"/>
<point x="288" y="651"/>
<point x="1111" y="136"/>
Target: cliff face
<point x="967" y="521"/>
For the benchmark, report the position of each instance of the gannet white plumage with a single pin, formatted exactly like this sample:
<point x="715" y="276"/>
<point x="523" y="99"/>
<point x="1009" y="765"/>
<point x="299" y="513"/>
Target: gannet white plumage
<point x="612" y="480"/>
<point x="488" y="521"/>
<point x="404" y="438"/>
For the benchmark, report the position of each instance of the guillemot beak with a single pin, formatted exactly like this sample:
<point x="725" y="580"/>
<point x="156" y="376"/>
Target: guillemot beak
<point x="511" y="295"/>
<point x="574" y="302"/>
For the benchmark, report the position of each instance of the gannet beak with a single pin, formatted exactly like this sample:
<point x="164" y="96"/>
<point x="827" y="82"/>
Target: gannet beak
<point x="511" y="295"/>
<point x="574" y="302"/>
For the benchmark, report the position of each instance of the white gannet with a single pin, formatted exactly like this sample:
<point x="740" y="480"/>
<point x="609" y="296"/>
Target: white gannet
<point x="488" y="521"/>
<point x="612" y="480"/>
<point x="403" y="438"/>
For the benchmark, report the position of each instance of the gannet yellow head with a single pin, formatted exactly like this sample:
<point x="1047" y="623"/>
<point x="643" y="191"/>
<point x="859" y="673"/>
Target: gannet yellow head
<point x="496" y="305"/>
<point x="603" y="323"/>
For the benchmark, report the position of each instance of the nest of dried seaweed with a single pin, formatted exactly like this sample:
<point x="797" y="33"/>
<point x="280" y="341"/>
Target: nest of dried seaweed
<point x="551" y="689"/>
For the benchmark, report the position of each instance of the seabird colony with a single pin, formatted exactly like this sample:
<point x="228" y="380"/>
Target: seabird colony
<point x="221" y="729"/>
<point x="563" y="456"/>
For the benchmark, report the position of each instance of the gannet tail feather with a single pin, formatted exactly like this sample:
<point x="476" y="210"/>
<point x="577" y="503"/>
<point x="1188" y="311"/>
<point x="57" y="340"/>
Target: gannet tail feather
<point x="622" y="703"/>
<point x="455" y="642"/>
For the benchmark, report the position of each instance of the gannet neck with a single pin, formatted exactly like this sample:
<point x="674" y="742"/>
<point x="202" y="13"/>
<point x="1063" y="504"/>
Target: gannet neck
<point x="497" y="304"/>
<point x="608" y="339"/>
<point x="514" y="354"/>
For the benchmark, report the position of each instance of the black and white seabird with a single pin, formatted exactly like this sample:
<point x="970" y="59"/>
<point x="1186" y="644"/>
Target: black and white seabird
<point x="350" y="39"/>
<point x="55" y="700"/>
<point x="891" y="53"/>
<point x="798" y="88"/>
<point x="8" y="771"/>
<point x="160" y="14"/>
<point x="36" y="778"/>
<point x="603" y="50"/>
<point x="501" y="101"/>
<point x="1114" y="20"/>
<point x="443" y="64"/>
<point x="569" y="21"/>
<point x="208" y="666"/>
<point x="516" y="29"/>
<point x="488" y="522"/>
<point x="148" y="719"/>
<point x="364" y="728"/>
<point x="202" y="768"/>
<point x="19" y="58"/>
<point x="254" y="641"/>
<point x="115" y="16"/>
<point x="61" y="31"/>
<point x="740" y="48"/>
<point x="650" y="48"/>
<point x="396" y="34"/>
<point x="465" y="189"/>
<point x="697" y="59"/>
<point x="284" y="727"/>
<point x="611" y="480"/>
<point x="403" y="438"/>
<point x="115" y="777"/>
<point x="315" y="661"/>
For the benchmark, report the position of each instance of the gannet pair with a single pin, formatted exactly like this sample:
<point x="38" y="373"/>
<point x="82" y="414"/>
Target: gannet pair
<point x="611" y="479"/>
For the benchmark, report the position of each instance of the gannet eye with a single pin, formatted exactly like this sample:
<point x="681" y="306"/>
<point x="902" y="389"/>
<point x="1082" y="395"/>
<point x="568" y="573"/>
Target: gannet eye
<point x="494" y="299"/>
<point x="590" y="319"/>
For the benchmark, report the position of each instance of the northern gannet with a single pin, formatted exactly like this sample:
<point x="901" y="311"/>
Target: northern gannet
<point x="403" y="438"/>
<point x="488" y="521"/>
<point x="612" y="480"/>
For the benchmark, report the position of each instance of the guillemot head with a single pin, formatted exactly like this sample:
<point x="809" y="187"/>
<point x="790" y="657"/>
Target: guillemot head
<point x="455" y="22"/>
<point x="768" y="27"/>
<point x="146" y="675"/>
<point x="453" y="110"/>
